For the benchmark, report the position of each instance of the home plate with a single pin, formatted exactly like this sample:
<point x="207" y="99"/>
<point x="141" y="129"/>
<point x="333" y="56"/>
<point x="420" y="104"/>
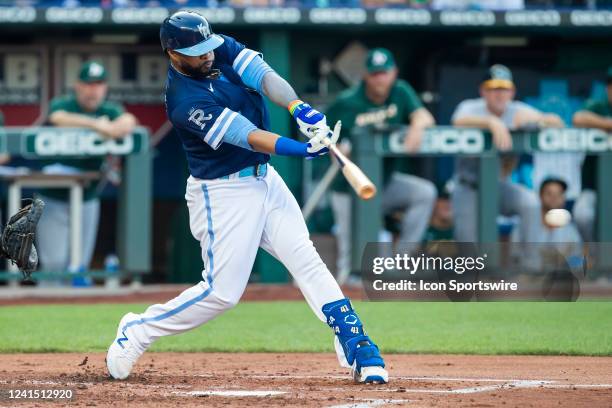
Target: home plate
<point x="234" y="393"/>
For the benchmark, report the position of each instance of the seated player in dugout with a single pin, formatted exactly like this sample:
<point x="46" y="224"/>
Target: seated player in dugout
<point x="88" y="108"/>
<point x="381" y="98"/>
<point x="498" y="112"/>
<point x="596" y="114"/>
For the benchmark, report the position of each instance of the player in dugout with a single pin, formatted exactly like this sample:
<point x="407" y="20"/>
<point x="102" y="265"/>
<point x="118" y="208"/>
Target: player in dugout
<point x="88" y="108"/>
<point x="381" y="98"/>
<point x="498" y="112"/>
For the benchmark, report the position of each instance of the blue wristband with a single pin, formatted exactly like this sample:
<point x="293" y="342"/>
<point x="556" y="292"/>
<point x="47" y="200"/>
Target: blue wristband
<point x="289" y="147"/>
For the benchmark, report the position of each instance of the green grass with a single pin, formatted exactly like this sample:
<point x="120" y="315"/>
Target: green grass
<point x="583" y="328"/>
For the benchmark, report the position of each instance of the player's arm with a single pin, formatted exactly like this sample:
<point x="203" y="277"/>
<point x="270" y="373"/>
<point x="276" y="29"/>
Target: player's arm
<point x="499" y="131"/>
<point x="112" y="129"/>
<point x="420" y="119"/>
<point x="529" y="116"/>
<point x="279" y="91"/>
<point x="587" y="119"/>
<point x="257" y="74"/>
<point x="118" y="128"/>
<point x="271" y="143"/>
<point x="215" y="125"/>
<point x="63" y="118"/>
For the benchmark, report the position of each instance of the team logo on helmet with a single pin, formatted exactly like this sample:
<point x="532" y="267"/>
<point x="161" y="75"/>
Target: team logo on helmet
<point x="204" y="30"/>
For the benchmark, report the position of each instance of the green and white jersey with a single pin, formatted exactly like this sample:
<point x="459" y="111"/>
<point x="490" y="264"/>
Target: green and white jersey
<point x="69" y="103"/>
<point x="354" y="109"/>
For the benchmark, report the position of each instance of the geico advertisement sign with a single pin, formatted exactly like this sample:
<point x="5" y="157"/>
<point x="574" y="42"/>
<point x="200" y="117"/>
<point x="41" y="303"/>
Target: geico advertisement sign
<point x="559" y="140"/>
<point x="446" y="141"/>
<point x="76" y="143"/>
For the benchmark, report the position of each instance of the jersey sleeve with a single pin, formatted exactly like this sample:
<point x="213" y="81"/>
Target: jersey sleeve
<point x="57" y="104"/>
<point x="465" y="108"/>
<point x="596" y="106"/>
<point x="410" y="97"/>
<point x="247" y="63"/>
<point x="213" y="124"/>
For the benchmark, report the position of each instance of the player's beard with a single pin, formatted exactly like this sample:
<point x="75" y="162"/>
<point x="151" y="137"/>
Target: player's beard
<point x="201" y="71"/>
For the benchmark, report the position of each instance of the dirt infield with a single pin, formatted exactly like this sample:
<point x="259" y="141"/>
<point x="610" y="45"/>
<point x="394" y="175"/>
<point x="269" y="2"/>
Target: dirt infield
<point x="312" y="380"/>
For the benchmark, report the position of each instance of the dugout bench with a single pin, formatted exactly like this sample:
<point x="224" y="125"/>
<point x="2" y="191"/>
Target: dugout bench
<point x="135" y="192"/>
<point x="371" y="145"/>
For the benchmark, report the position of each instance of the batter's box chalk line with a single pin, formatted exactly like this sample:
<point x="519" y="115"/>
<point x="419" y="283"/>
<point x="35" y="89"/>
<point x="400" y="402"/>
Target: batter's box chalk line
<point x="497" y="383"/>
<point x="368" y="403"/>
<point x="231" y="393"/>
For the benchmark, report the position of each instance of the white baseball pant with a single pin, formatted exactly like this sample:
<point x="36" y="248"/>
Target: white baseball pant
<point x="232" y="219"/>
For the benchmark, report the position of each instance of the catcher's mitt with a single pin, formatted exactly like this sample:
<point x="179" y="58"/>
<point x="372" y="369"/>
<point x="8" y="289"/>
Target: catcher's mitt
<point x="17" y="241"/>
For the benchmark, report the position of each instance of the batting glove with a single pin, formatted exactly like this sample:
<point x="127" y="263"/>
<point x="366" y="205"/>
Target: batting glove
<point x="307" y="118"/>
<point x="317" y="145"/>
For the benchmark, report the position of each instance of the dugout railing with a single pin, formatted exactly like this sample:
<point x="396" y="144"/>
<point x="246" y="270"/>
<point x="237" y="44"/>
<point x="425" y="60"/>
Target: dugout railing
<point x="370" y="146"/>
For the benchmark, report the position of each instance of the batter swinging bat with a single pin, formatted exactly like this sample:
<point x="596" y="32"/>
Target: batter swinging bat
<point x="362" y="185"/>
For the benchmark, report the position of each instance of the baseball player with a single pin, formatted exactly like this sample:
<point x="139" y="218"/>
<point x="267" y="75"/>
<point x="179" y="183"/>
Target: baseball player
<point x="380" y="98"/>
<point x="237" y="201"/>
<point x="498" y="112"/>
<point x="85" y="108"/>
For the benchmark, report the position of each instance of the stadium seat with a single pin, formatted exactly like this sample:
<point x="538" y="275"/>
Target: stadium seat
<point x="554" y="98"/>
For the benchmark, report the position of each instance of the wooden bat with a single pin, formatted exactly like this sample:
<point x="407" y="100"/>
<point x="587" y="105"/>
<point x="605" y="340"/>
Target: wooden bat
<point x="362" y="185"/>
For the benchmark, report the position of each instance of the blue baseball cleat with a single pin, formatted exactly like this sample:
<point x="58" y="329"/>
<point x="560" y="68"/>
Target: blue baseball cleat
<point x="369" y="366"/>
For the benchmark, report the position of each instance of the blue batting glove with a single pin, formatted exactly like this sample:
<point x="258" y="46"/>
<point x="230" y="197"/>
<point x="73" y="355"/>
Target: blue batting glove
<point x="307" y="118"/>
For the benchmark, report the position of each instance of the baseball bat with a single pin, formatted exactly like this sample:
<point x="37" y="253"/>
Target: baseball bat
<point x="362" y="185"/>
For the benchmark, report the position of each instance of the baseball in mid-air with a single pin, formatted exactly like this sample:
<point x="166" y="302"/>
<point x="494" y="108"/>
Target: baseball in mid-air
<point x="557" y="217"/>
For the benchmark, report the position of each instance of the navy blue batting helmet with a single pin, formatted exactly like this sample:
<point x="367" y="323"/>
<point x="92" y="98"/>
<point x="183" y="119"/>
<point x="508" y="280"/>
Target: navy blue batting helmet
<point x="188" y="33"/>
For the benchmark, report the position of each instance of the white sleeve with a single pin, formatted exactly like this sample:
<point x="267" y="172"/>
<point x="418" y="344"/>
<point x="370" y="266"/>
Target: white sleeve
<point x="469" y="107"/>
<point x="523" y="107"/>
<point x="251" y="68"/>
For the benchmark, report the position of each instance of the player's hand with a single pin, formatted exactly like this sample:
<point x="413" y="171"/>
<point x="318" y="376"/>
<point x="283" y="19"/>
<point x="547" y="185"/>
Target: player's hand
<point x="107" y="128"/>
<point x="308" y="119"/>
<point x="103" y="126"/>
<point x="501" y="135"/>
<point x="317" y="145"/>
